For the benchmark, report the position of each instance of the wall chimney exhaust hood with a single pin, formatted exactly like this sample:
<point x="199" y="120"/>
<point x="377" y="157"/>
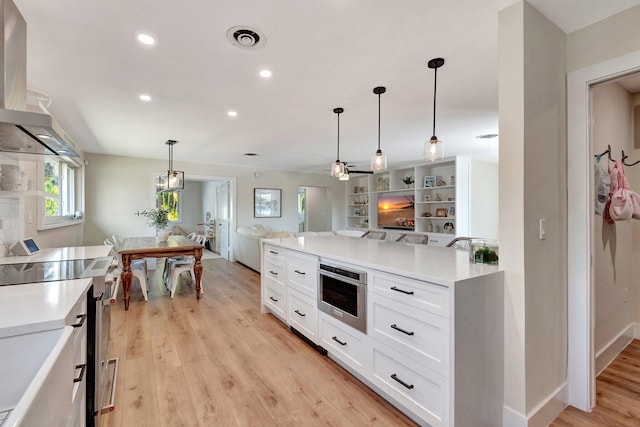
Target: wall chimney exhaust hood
<point x="23" y="131"/>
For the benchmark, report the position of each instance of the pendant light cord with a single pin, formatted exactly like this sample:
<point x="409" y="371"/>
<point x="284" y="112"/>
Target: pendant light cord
<point x="435" y="85"/>
<point x="379" y="121"/>
<point x="338" y="152"/>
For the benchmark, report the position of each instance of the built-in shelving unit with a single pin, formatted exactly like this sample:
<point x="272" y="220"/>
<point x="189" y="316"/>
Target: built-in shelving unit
<point x="444" y="196"/>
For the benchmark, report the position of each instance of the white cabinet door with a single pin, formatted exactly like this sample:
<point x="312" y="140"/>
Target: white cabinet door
<point x="302" y="314"/>
<point x="302" y="273"/>
<point x="345" y="343"/>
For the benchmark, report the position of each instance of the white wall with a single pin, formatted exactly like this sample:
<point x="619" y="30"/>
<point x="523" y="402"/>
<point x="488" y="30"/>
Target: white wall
<point x="119" y="186"/>
<point x="532" y="186"/>
<point x="614" y="254"/>
<point x="483" y="192"/>
<point x="191" y="207"/>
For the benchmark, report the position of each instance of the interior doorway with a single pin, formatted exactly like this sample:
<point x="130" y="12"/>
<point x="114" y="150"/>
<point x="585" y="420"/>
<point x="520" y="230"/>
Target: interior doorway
<point x="210" y="207"/>
<point x="581" y="367"/>
<point x="314" y="209"/>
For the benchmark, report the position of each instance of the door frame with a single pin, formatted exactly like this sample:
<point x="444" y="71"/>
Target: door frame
<point x="580" y="236"/>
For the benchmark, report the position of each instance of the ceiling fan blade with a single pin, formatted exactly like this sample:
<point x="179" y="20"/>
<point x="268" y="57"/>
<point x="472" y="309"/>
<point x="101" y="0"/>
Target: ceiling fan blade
<point x="367" y="172"/>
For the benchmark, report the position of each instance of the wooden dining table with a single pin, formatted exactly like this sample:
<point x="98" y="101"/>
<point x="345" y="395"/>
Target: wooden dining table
<point x="135" y="248"/>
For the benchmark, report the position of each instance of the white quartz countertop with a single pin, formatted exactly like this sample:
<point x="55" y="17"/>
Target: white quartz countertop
<point x="60" y="254"/>
<point x="37" y="307"/>
<point x="439" y="265"/>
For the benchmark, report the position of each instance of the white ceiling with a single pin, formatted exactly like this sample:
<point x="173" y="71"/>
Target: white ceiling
<point x="323" y="54"/>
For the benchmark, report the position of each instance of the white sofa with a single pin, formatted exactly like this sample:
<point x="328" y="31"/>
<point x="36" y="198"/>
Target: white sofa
<point x="247" y="243"/>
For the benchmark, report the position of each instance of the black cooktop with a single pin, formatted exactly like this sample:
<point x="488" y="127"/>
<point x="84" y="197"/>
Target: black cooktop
<point x="46" y="271"/>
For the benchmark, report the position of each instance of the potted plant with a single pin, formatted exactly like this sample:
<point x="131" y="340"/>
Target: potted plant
<point x="157" y="218"/>
<point x="408" y="180"/>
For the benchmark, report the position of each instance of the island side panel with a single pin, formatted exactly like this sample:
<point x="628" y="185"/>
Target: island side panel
<point x="479" y="350"/>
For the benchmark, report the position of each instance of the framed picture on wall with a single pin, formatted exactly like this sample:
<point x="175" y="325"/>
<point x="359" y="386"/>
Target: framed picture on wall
<point x="267" y="202"/>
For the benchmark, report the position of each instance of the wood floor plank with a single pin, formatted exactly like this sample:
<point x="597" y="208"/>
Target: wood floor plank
<point x="617" y="395"/>
<point x="218" y="361"/>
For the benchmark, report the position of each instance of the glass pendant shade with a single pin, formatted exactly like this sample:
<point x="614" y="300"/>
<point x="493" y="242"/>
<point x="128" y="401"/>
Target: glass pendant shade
<point x="344" y="176"/>
<point x="378" y="161"/>
<point x="170" y="180"/>
<point x="337" y="169"/>
<point x="433" y="149"/>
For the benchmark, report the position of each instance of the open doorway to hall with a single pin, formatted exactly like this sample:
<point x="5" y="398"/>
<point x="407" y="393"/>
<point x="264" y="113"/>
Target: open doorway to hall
<point x="207" y="206"/>
<point x="314" y="209"/>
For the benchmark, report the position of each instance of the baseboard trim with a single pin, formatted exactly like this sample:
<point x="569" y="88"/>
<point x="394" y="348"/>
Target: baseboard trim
<point x="610" y="351"/>
<point x="540" y="416"/>
<point x="636" y="331"/>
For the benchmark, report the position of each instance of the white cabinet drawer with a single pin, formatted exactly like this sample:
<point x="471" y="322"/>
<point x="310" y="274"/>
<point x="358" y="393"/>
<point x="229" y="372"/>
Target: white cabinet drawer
<point x="302" y="273"/>
<point x="302" y="314"/>
<point x="345" y="343"/>
<point x="421" y="390"/>
<point x="420" y="335"/>
<point x="274" y="298"/>
<point x="275" y="252"/>
<point x="423" y="295"/>
<point x="274" y="270"/>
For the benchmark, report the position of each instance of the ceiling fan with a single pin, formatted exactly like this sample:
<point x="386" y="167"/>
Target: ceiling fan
<point x="340" y="169"/>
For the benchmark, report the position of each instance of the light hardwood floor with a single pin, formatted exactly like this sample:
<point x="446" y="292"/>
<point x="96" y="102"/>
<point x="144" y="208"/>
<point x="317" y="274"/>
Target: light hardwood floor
<point x="617" y="395"/>
<point x="219" y="362"/>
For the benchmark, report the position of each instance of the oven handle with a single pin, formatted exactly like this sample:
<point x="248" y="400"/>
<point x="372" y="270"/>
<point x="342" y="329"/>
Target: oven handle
<point x="109" y="407"/>
<point x="114" y="293"/>
<point x="340" y="278"/>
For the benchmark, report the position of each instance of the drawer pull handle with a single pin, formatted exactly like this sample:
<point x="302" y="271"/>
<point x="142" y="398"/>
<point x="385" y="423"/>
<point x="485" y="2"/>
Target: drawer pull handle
<point x="82" y="318"/>
<point x="300" y="272"/>
<point x="393" y="288"/>
<point x="82" y="368"/>
<point x="395" y="377"/>
<point x="273" y="252"/>
<point x="300" y="314"/>
<point x="394" y="326"/>
<point x="275" y="273"/>
<point x="338" y="341"/>
<point x="273" y="299"/>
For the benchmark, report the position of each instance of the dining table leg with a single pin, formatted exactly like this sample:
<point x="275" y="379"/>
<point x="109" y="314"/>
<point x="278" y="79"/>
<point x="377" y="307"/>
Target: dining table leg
<point x="197" y="271"/>
<point x="127" y="275"/>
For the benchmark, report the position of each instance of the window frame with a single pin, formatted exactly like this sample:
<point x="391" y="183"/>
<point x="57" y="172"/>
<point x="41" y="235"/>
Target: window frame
<point x="74" y="190"/>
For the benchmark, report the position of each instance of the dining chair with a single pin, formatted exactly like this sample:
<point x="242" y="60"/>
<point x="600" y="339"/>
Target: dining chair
<point x="174" y="267"/>
<point x="138" y="268"/>
<point x="374" y="234"/>
<point x="460" y="243"/>
<point x="417" y="238"/>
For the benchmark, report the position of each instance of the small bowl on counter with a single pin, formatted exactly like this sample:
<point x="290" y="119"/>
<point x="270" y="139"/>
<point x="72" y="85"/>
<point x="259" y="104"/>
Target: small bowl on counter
<point x="483" y="252"/>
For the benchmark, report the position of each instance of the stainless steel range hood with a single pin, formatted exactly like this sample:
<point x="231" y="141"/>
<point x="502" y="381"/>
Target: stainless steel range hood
<point x="23" y="131"/>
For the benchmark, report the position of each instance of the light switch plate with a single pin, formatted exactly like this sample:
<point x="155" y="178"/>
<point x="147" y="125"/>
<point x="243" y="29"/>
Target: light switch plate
<point x="543" y="231"/>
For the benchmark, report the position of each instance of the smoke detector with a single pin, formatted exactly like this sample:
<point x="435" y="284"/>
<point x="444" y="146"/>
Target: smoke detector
<point x="246" y="37"/>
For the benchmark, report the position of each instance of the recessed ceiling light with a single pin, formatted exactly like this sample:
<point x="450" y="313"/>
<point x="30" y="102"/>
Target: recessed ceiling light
<point x="44" y="136"/>
<point x="232" y="113"/>
<point x="146" y="39"/>
<point x="145" y="97"/>
<point x="487" y="136"/>
<point x="265" y="73"/>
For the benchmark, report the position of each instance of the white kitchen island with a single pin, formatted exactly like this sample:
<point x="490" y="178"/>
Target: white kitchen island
<point x="433" y="344"/>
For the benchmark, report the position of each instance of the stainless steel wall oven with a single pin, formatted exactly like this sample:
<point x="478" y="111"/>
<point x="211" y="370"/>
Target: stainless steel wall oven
<point x="342" y="293"/>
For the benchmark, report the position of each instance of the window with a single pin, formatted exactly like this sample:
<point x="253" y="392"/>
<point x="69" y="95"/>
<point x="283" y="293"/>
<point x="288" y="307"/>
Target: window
<point x="172" y="202"/>
<point x="61" y="182"/>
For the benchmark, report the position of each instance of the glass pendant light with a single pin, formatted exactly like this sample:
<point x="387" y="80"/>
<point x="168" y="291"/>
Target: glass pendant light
<point x="433" y="149"/>
<point x="170" y="180"/>
<point x="337" y="168"/>
<point x="379" y="160"/>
